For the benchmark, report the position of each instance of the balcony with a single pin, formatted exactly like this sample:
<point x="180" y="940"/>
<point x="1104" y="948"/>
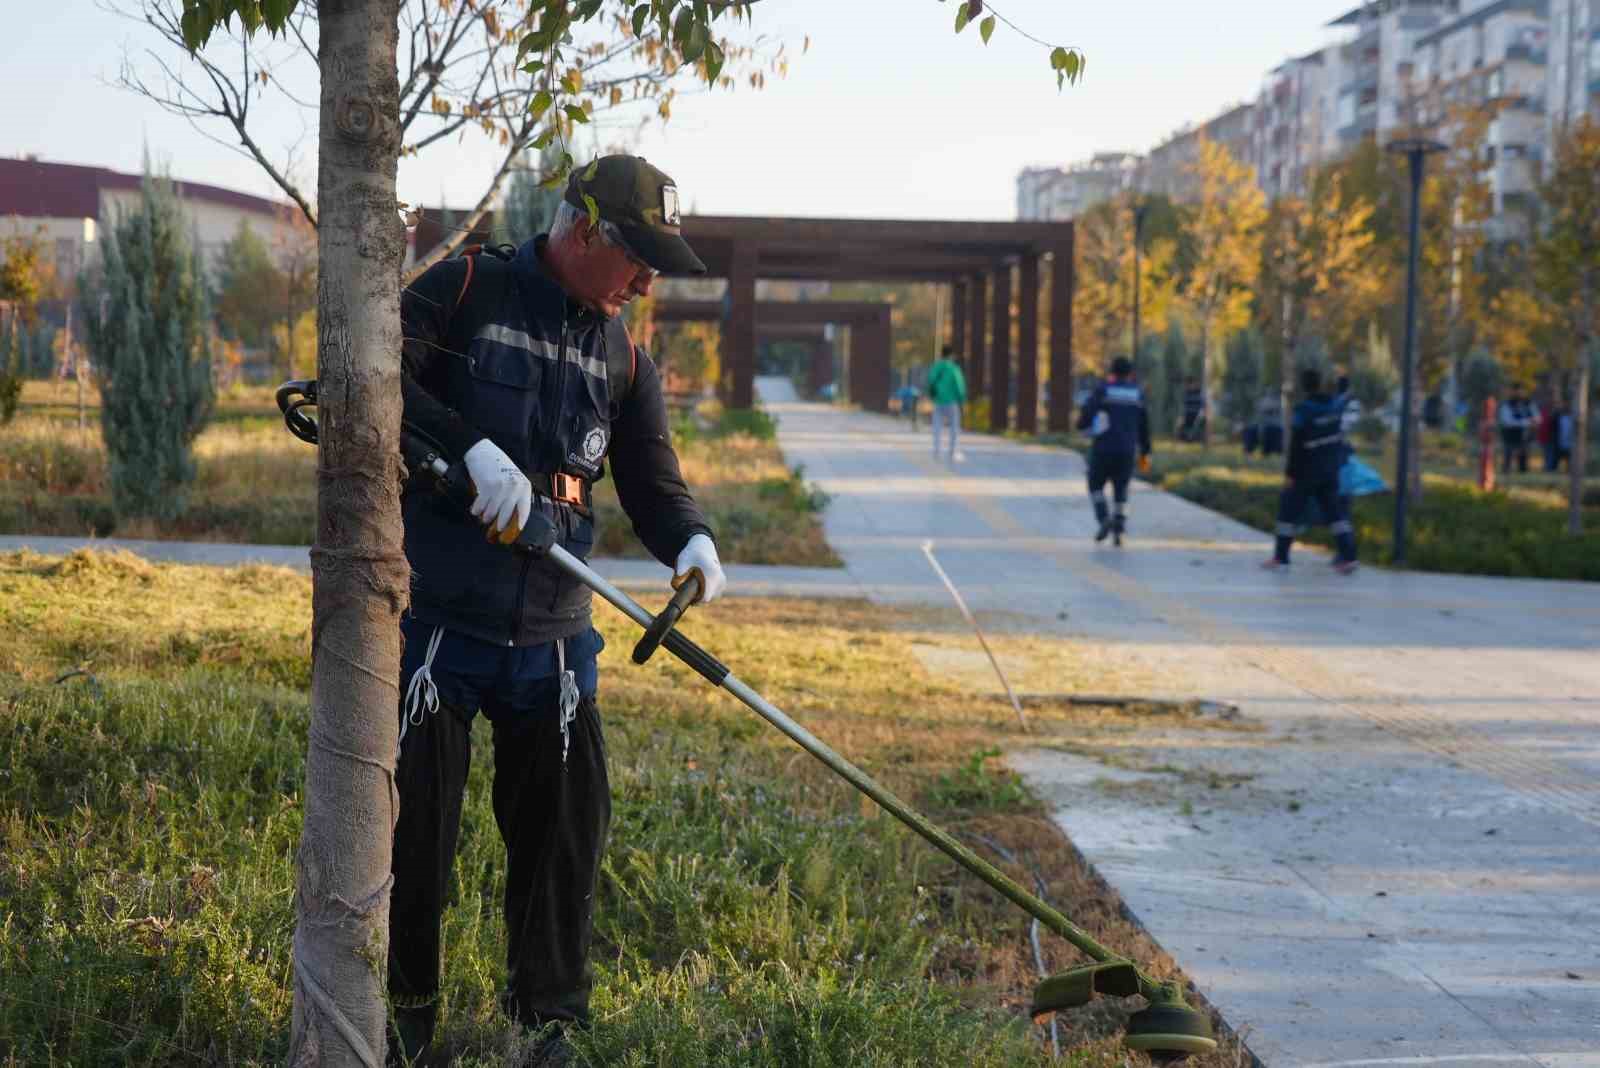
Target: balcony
<point x="1527" y="54"/>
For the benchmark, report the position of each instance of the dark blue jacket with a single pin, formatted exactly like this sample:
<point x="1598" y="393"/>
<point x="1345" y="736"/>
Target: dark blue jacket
<point x="1126" y="426"/>
<point x="1316" y="440"/>
<point x="510" y="358"/>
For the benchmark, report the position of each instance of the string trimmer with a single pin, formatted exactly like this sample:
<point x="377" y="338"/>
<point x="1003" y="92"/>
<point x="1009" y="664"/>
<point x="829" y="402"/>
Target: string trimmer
<point x="1168" y="1028"/>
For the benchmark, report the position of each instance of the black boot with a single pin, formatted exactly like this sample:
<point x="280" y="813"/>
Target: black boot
<point x="1119" y="526"/>
<point x="1104" y="531"/>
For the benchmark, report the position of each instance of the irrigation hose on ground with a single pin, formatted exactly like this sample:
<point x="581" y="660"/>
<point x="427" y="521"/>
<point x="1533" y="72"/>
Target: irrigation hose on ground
<point x="1168" y="1027"/>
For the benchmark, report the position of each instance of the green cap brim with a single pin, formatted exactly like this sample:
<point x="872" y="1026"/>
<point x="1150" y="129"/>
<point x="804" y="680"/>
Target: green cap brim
<point x="666" y="252"/>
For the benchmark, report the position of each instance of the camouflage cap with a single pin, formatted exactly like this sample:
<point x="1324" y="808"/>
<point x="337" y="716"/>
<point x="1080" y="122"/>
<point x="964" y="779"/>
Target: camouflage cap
<point x="640" y="201"/>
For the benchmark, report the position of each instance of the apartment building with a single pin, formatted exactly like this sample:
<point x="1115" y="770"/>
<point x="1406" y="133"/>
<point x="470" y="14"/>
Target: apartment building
<point x="1047" y="193"/>
<point x="1169" y="168"/>
<point x="1369" y="71"/>
<point x="1492" y="56"/>
<point x="1573" y="86"/>
<point x="1289" y="120"/>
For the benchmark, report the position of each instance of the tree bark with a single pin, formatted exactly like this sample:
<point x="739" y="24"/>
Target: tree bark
<point x="359" y="574"/>
<point x="1205" y="382"/>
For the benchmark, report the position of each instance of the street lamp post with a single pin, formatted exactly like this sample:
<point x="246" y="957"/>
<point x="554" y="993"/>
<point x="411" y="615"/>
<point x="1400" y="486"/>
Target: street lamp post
<point x="1416" y="150"/>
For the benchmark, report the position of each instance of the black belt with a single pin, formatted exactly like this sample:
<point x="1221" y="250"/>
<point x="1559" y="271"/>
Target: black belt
<point x="568" y="489"/>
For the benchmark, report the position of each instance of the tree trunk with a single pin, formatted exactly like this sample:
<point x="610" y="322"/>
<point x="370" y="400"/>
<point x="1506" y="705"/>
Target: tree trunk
<point x="359" y="574"/>
<point x="1205" y="386"/>
<point x="1580" y="441"/>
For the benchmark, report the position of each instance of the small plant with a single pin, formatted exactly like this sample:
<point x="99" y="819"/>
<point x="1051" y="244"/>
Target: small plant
<point x="973" y="786"/>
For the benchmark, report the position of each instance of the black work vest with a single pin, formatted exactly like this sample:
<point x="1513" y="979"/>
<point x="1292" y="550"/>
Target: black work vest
<point x="530" y="373"/>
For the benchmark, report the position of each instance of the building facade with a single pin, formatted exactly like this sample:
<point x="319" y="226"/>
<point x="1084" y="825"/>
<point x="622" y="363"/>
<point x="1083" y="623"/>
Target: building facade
<point x="1169" y="169"/>
<point x="1371" y="70"/>
<point x="1289" y="123"/>
<point x="69" y="207"/>
<point x="1493" y="59"/>
<point x="1056" y="193"/>
<point x="1573" y="88"/>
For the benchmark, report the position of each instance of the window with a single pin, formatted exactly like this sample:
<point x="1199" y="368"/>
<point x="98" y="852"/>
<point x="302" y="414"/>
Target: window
<point x="1496" y="85"/>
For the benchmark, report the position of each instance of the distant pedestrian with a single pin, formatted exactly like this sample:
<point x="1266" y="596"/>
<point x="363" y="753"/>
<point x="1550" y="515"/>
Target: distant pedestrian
<point x="1565" y="426"/>
<point x="1194" y="410"/>
<point x="947" y="390"/>
<point x="1548" y="444"/>
<point x="1316" y="452"/>
<point x="1115" y="417"/>
<point x="1518" y="417"/>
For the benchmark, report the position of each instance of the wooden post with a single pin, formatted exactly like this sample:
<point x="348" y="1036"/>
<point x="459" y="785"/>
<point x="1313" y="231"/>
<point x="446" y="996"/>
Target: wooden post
<point x="1061" y="384"/>
<point x="1028" y="344"/>
<point x="1000" y="352"/>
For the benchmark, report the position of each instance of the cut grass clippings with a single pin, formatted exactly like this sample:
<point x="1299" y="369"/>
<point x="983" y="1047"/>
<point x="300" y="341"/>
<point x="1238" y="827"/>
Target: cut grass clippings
<point x="754" y="910"/>
<point x="256" y="484"/>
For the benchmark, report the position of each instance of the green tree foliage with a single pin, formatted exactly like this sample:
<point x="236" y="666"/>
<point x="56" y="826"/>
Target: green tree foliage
<point x="248" y="285"/>
<point x="1482" y="377"/>
<point x="1227" y="227"/>
<point x="145" y="315"/>
<point x="1244" y="373"/>
<point x="1567" y="269"/>
<point x="25" y="277"/>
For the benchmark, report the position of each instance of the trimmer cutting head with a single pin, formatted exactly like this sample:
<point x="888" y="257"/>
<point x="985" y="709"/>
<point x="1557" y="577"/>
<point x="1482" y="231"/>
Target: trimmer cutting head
<point x="1168" y="1029"/>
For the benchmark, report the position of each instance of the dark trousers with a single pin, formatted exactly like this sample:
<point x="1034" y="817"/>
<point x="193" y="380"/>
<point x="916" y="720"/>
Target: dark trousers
<point x="1335" y="512"/>
<point x="553" y="816"/>
<point x="1116" y="468"/>
<point x="1513" y="441"/>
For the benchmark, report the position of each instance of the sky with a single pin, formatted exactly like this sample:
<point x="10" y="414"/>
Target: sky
<point x="887" y="114"/>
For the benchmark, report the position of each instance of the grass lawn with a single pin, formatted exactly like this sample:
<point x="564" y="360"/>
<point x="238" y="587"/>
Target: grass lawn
<point x="1518" y="530"/>
<point x="257" y="484"/>
<point x="754" y="911"/>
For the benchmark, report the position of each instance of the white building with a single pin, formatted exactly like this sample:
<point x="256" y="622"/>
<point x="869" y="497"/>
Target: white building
<point x="1573" y="88"/>
<point x="1049" y="193"/>
<point x="1289" y="120"/>
<point x="1368" y="73"/>
<point x="1493" y="55"/>
<point x="70" y="206"/>
<point x="1169" y="169"/>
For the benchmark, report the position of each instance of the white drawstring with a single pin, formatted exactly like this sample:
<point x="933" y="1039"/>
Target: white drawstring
<point x="422" y="696"/>
<point x="569" y="698"/>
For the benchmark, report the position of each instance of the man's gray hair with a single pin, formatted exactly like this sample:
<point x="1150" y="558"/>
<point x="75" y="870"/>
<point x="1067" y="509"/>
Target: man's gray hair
<point x="568" y="220"/>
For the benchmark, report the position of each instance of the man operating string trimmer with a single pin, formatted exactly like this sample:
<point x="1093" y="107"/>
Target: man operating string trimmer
<point x="517" y="363"/>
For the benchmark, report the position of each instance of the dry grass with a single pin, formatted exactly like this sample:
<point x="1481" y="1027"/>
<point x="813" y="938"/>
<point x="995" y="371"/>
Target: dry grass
<point x="257" y="485"/>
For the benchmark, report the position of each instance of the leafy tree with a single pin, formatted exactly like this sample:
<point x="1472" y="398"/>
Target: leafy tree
<point x="145" y="316"/>
<point x="25" y="278"/>
<point x="1316" y="273"/>
<point x="1482" y="377"/>
<point x="246" y="283"/>
<point x="1567" y="266"/>
<point x="1102" y="306"/>
<point x="1226" y="234"/>
<point x="1243" y="375"/>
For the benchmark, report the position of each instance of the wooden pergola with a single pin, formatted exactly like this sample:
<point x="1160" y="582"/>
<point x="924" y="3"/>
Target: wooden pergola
<point x="871" y="338"/>
<point x="977" y="260"/>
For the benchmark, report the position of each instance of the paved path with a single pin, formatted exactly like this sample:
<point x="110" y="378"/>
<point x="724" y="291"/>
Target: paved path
<point x="1409" y="872"/>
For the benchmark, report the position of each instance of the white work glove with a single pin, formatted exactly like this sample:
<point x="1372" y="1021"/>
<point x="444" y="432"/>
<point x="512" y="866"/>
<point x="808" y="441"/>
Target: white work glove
<point x="505" y="497"/>
<point x="701" y="555"/>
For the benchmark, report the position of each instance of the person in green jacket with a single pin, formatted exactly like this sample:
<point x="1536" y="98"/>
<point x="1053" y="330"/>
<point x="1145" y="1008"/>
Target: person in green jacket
<point x="947" y="389"/>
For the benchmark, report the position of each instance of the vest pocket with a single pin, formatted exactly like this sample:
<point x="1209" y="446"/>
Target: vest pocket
<point x="502" y="395"/>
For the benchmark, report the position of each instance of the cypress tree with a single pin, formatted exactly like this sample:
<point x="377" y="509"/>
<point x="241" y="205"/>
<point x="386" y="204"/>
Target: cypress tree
<point x="145" y="314"/>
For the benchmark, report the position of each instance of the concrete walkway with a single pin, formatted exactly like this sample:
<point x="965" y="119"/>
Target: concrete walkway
<point x="1409" y="870"/>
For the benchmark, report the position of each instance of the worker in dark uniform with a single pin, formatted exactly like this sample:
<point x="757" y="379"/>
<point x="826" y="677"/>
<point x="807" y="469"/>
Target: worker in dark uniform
<point x="1116" y="419"/>
<point x="1316" y="452"/>
<point x="519" y="364"/>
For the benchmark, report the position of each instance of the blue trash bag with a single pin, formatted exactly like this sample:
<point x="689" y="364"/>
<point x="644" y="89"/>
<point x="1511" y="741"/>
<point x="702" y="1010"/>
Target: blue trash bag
<point x="1357" y="479"/>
